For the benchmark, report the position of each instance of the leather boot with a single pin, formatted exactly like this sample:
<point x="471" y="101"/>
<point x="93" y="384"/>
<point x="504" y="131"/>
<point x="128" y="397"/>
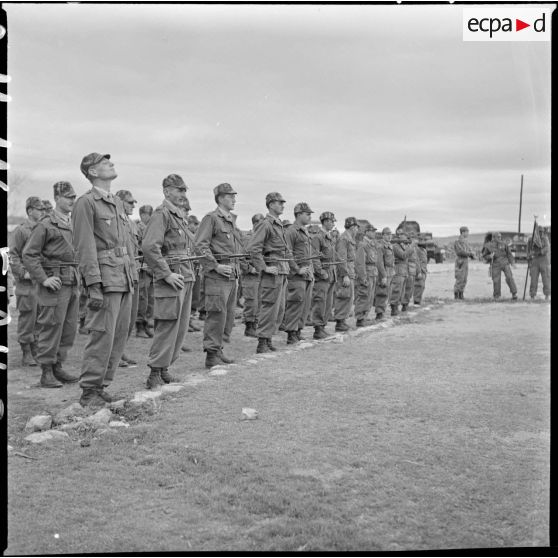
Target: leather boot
<point x="47" y="377"/>
<point x="168" y="378"/>
<point x="456" y="296"/>
<point x="319" y="332"/>
<point x="341" y="325"/>
<point x="262" y="346"/>
<point x="404" y="307"/>
<point x="90" y="398"/>
<point x="224" y="359"/>
<point x="460" y="296"/>
<point x="212" y="359"/>
<point x="141" y="331"/>
<point x="270" y="345"/>
<point x="292" y="338"/>
<point x="104" y="395"/>
<point x="154" y="380"/>
<point x="62" y="376"/>
<point x="299" y="335"/>
<point x="201" y="315"/>
<point x="82" y="330"/>
<point x="250" y="330"/>
<point x="379" y="316"/>
<point x="394" y="310"/>
<point x="27" y="356"/>
<point x="364" y="322"/>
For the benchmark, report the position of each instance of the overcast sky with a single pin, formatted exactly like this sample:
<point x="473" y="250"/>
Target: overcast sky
<point x="372" y="111"/>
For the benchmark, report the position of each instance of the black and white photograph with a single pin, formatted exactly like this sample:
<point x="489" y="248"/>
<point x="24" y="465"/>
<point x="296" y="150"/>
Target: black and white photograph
<point x="276" y="277"/>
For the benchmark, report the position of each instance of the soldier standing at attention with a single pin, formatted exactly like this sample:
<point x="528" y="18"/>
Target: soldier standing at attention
<point x="462" y="254"/>
<point x="412" y="269"/>
<point x="129" y="202"/>
<point x="422" y="270"/>
<point x="538" y="250"/>
<point x="144" y="320"/>
<point x="502" y="260"/>
<point x="386" y="271"/>
<point x="193" y="224"/>
<point x="401" y="251"/>
<point x="269" y="253"/>
<point x="167" y="243"/>
<point x="325" y="275"/>
<point x="102" y="242"/>
<point x="345" y="289"/>
<point x="301" y="275"/>
<point x="51" y="260"/>
<point x="366" y="272"/>
<point x="251" y="285"/>
<point x="218" y="238"/>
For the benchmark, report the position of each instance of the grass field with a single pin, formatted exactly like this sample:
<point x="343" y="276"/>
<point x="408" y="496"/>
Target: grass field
<point x="430" y="433"/>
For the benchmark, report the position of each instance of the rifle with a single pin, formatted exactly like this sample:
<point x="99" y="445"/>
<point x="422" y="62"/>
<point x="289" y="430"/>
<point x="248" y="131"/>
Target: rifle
<point x="529" y="259"/>
<point x="58" y="264"/>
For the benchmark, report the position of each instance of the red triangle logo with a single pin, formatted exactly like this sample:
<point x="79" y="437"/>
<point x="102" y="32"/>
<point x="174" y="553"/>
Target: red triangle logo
<point x="519" y="25"/>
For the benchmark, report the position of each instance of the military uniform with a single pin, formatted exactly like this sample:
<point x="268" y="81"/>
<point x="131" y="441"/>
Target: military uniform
<point x="134" y="233"/>
<point x="346" y="252"/>
<point x="386" y="270"/>
<point x="144" y="319"/>
<point x="401" y="254"/>
<point x="412" y="270"/>
<point x="539" y="264"/>
<point x="462" y="254"/>
<point x="501" y="262"/>
<point x="420" y="278"/>
<point x="45" y="254"/>
<point x="366" y="272"/>
<point x="250" y="288"/>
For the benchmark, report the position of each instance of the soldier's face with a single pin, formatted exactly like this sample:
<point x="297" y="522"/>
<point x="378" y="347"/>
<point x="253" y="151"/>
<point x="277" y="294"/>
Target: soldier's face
<point x="129" y="204"/>
<point x="192" y="227"/>
<point x="498" y="236"/>
<point x="145" y="218"/>
<point x="371" y="234"/>
<point x="103" y="170"/>
<point x="228" y="201"/>
<point x="36" y="214"/>
<point x="64" y="204"/>
<point x="176" y="196"/>
<point x="386" y="237"/>
<point x="305" y="218"/>
<point x="277" y="207"/>
<point x="327" y="224"/>
<point x="465" y="234"/>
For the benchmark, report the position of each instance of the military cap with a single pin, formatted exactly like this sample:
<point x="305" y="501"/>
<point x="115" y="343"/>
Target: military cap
<point x="286" y="223"/>
<point x="90" y="160"/>
<point x="174" y="181"/>
<point x="64" y="189"/>
<point x="274" y="196"/>
<point x="146" y="209"/>
<point x="302" y="207"/>
<point x="187" y="206"/>
<point x="463" y="229"/>
<point x="47" y="205"/>
<point x="386" y="230"/>
<point x="34" y="202"/>
<point x="314" y="229"/>
<point x="257" y="218"/>
<point x="370" y="227"/>
<point x="224" y="188"/>
<point x="327" y="215"/>
<point x="192" y="219"/>
<point x="123" y="194"/>
<point x="351" y="222"/>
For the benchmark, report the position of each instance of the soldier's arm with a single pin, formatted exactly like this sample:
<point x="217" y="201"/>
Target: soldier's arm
<point x="256" y="244"/>
<point x="341" y="249"/>
<point x="131" y="247"/>
<point x="204" y="234"/>
<point x="153" y="239"/>
<point x="315" y="243"/>
<point x="460" y="249"/>
<point x="380" y="263"/>
<point x="83" y="219"/>
<point x="360" y="265"/>
<point x="290" y="237"/>
<point x="32" y="253"/>
<point x="509" y="255"/>
<point x="16" y="246"/>
<point x="399" y="251"/>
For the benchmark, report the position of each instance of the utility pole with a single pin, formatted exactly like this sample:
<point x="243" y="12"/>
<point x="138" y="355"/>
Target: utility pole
<point x="520" y="203"/>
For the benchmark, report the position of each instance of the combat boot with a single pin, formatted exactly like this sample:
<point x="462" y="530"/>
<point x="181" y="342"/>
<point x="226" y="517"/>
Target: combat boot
<point x="104" y="395"/>
<point x="364" y="322"/>
<point x="129" y="360"/>
<point x="404" y="307"/>
<point x="270" y="345"/>
<point x="319" y="332"/>
<point x="141" y="331"/>
<point x="149" y="330"/>
<point x="514" y="296"/>
<point x="62" y="376"/>
<point x="90" y="398"/>
<point x="82" y="330"/>
<point x="27" y="356"/>
<point x="250" y="330"/>
<point x="47" y="377"/>
<point x="461" y="296"/>
<point x="417" y="302"/>
<point x="226" y="338"/>
<point x="262" y="346"/>
<point x="379" y="316"/>
<point x="394" y="310"/>
<point x="456" y="296"/>
<point x="201" y="315"/>
<point x="299" y="335"/>
<point x="154" y="380"/>
<point x="212" y="359"/>
<point x="292" y="338"/>
<point x="224" y="359"/>
<point x="168" y="378"/>
<point x="341" y="325"/>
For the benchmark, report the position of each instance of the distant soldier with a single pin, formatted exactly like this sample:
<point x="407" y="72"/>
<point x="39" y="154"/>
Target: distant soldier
<point x="269" y="254"/>
<point x="301" y="274"/>
<point x="499" y="253"/>
<point x="193" y="224"/>
<point x="251" y="284"/>
<point x="192" y="327"/>
<point x="538" y="250"/>
<point x="25" y="287"/>
<point x="462" y="254"/>
<point x="105" y="264"/>
<point x="345" y="288"/>
<point x="401" y="250"/>
<point x="129" y="203"/>
<point x="51" y="260"/>
<point x="325" y="275"/>
<point x="412" y="269"/>
<point x="167" y="245"/>
<point x="386" y="271"/>
<point x="48" y="206"/>
<point x="144" y="319"/>
<point x="366" y="272"/>
<point x="422" y="271"/>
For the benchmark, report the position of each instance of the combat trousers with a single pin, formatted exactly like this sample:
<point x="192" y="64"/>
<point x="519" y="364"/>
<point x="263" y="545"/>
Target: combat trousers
<point x="108" y="333"/>
<point x="539" y="265"/>
<point x="407" y="294"/>
<point x="322" y="302"/>
<point x="299" y="298"/>
<point x="201" y="307"/>
<point x="344" y="297"/>
<point x="364" y="297"/>
<point x="272" y="304"/>
<point x="497" y="279"/>
<point x="397" y="288"/>
<point x="382" y="295"/>
<point x="461" y="273"/>
<point x="196" y="296"/>
<point x="27" y="305"/>
<point x="250" y="288"/>
<point x="56" y="323"/>
<point x="220" y="302"/>
<point x="146" y="298"/>
<point x="418" y="290"/>
<point x="134" y="309"/>
<point x="82" y="302"/>
<point x="172" y="316"/>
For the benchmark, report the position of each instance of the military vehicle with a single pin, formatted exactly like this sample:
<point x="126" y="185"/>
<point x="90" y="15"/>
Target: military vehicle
<point x="433" y="251"/>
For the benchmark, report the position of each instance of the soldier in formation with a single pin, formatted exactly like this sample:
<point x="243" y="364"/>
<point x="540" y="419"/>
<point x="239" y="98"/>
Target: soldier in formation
<point x="501" y="261"/>
<point x="144" y="319"/>
<point x="538" y="250"/>
<point x="366" y="274"/>
<point x="463" y="253"/>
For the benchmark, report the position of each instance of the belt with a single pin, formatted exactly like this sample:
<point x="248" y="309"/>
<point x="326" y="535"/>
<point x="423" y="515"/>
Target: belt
<point x="118" y="251"/>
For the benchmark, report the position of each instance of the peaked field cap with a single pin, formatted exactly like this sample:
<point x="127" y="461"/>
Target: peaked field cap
<point x="90" y="160"/>
<point x="350" y="222"/>
<point x="174" y="181"/>
<point x="224" y="188"/>
<point x="256" y="218"/>
<point x="327" y="215"/>
<point x="370" y="227"/>
<point x="146" y="209"/>
<point x="463" y="229"/>
<point x="64" y="189"/>
<point x="123" y="194"/>
<point x="47" y="205"/>
<point x="274" y="196"/>
<point x="386" y="230"/>
<point x="34" y="202"/>
<point x="302" y="207"/>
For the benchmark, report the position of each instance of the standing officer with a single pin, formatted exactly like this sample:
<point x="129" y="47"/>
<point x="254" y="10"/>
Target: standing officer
<point x="366" y="272"/>
<point x="345" y="288"/>
<point x="422" y="270"/>
<point x="250" y="284"/>
<point x="301" y="275"/>
<point x="129" y="203"/>
<point x="269" y="253"/>
<point x="401" y="250"/>
<point x="217" y="239"/>
<point x="167" y="245"/>
<point x="412" y="270"/>
<point x="105" y="264"/>
<point x="144" y="320"/>
<point x="325" y="275"/>
<point x="386" y="271"/>
<point x="51" y="260"/>
<point x="25" y="288"/>
<point x="538" y="250"/>
<point x="462" y="254"/>
<point x="500" y="254"/>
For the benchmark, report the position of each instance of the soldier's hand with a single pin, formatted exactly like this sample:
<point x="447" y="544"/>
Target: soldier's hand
<point x="224" y="269"/>
<point x="26" y="275"/>
<point x="364" y="282"/>
<point x="272" y="270"/>
<point x="324" y="274"/>
<point x="96" y="299"/>
<point x="346" y="281"/>
<point x="303" y="270"/>
<point x="383" y="281"/>
<point x="419" y="276"/>
<point x="52" y="283"/>
<point x="175" y="280"/>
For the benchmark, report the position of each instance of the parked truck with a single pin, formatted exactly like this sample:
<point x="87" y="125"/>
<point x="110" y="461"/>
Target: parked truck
<point x="433" y="251"/>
